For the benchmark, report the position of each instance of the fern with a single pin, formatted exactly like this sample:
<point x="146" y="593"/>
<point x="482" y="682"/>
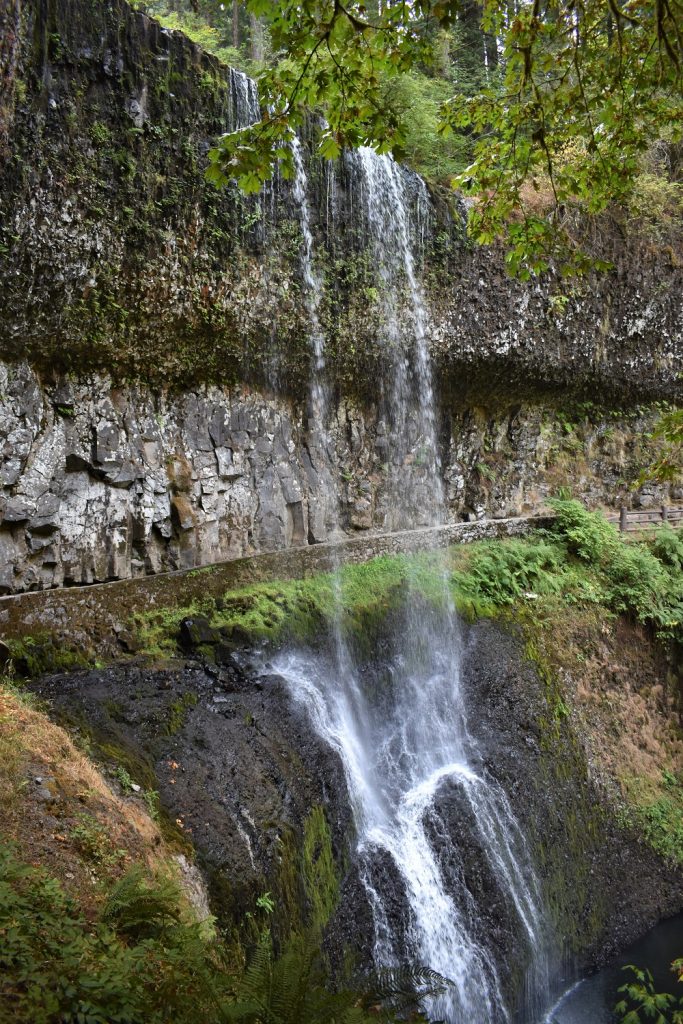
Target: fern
<point x="141" y="907"/>
<point x="294" y="989"/>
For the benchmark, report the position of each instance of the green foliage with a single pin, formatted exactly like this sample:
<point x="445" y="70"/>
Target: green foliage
<point x="292" y="990"/>
<point x="416" y="100"/>
<point x="34" y="655"/>
<point x="668" y="547"/>
<point x="669" y="464"/>
<point x="583" y="559"/>
<point x="92" y="839"/>
<point x="632" y="576"/>
<point x="58" y="968"/>
<point x="566" y="103"/>
<point x="503" y="573"/>
<point x="587" y="535"/>
<point x="151" y="800"/>
<point x="301" y="610"/>
<point x="662" y="823"/>
<point x="122" y="776"/>
<point x="139" y="907"/>
<point x="141" y="959"/>
<point x="642" y="1002"/>
<point x="320" y="877"/>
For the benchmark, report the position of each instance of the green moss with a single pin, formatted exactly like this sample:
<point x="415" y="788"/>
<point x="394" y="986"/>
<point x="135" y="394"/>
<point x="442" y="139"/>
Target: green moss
<point x="177" y="712"/>
<point x="320" y="873"/>
<point x="35" y="655"/>
<point x="304" y="610"/>
<point x="575" y="906"/>
<point x="655" y="810"/>
<point x="289" y="916"/>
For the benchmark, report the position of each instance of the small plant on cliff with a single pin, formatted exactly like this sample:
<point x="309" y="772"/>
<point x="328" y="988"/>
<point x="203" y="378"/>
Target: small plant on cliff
<point x="632" y="577"/>
<point x="503" y="573"/>
<point x="56" y="966"/>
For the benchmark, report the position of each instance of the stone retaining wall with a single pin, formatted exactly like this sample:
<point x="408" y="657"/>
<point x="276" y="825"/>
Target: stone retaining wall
<point x="95" y="619"/>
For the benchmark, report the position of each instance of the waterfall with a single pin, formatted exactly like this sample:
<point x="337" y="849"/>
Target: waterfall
<point x="244" y="107"/>
<point x="409" y="757"/>
<point x="323" y="512"/>
<point x="405" y="746"/>
<point x="413" y="454"/>
<point x="312" y="287"/>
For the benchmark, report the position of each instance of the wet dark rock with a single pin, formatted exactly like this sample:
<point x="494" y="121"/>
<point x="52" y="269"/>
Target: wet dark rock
<point x="242" y="767"/>
<point x="237" y="635"/>
<point x="241" y="771"/>
<point x="196" y="631"/>
<point x="225" y="655"/>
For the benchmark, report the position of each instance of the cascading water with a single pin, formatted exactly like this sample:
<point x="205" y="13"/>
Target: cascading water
<point x="323" y="514"/>
<point x="403" y="747"/>
<point x="403" y="737"/>
<point x="312" y="287"/>
<point x="413" y="455"/>
<point x="244" y="108"/>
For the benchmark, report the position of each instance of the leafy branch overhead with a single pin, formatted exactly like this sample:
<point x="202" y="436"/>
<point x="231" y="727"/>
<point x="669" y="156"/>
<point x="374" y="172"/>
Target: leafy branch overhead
<point x="571" y="96"/>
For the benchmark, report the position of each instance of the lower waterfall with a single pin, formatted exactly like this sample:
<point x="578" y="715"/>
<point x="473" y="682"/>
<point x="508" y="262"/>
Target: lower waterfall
<point x="401" y="732"/>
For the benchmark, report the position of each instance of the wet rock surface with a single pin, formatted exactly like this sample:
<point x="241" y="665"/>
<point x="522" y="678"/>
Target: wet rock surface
<point x="236" y="767"/>
<point x="239" y="767"/>
<point x="603" y="886"/>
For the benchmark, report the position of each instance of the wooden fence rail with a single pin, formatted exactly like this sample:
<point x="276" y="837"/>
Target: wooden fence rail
<point x="630" y="520"/>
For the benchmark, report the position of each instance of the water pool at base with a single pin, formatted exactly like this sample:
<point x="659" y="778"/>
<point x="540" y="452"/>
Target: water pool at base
<point x="592" y="1000"/>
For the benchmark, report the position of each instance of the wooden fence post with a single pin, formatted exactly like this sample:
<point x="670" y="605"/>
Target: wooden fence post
<point x="622" y="518"/>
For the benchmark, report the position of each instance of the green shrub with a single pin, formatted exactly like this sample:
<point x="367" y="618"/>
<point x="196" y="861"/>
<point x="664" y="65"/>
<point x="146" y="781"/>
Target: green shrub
<point x="641" y="580"/>
<point x="131" y="965"/>
<point x="586" y="534"/>
<point x="503" y="572"/>
<point x="140" y="961"/>
<point x="668" y="547"/>
<point x="141" y="907"/>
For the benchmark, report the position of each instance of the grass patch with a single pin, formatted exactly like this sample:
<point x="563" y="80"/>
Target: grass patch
<point x="582" y="561"/>
<point x="303" y="610"/>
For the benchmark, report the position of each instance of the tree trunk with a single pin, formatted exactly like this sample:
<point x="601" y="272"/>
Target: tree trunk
<point x="235" y="24"/>
<point x="256" y="38"/>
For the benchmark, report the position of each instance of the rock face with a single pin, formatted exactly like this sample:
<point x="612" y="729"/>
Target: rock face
<point x="240" y="767"/>
<point x="100" y="482"/>
<point x="154" y="394"/>
<point x="116" y="255"/>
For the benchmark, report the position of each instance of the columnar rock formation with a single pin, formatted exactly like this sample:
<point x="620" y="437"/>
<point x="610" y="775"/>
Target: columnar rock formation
<point x="154" y="389"/>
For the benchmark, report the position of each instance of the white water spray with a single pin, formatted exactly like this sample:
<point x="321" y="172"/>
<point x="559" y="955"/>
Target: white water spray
<point x="413" y="456"/>
<point x="405" y="747"/>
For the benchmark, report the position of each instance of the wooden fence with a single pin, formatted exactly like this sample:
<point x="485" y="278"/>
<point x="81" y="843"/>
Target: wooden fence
<point x="631" y="520"/>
